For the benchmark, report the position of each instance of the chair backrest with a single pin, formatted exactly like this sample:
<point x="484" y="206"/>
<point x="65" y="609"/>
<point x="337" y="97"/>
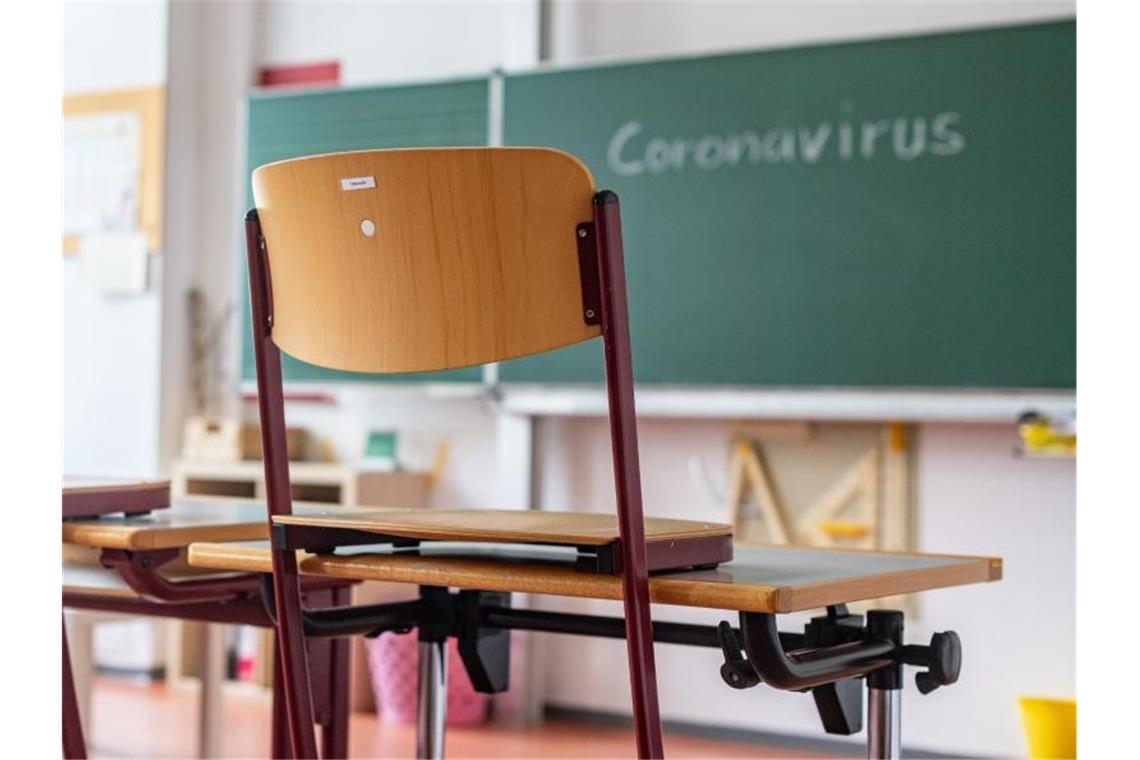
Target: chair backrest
<point x="415" y="260"/>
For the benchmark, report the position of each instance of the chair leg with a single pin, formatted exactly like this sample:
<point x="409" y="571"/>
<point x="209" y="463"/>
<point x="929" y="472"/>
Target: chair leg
<point x="73" y="744"/>
<point x="627" y="474"/>
<point x="279" y="747"/>
<point x="642" y="671"/>
<point x="334" y="733"/>
<point x="294" y="660"/>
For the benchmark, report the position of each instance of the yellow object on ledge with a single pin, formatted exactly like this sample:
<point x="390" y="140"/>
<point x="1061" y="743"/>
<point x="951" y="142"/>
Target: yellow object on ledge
<point x="1050" y="727"/>
<point x="845" y="529"/>
<point x="1042" y="436"/>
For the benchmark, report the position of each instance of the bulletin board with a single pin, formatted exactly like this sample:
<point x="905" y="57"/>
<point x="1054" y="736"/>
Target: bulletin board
<point x="113" y="164"/>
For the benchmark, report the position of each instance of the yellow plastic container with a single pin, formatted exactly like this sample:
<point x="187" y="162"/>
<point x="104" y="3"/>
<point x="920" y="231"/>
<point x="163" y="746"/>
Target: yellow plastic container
<point x="1050" y="727"/>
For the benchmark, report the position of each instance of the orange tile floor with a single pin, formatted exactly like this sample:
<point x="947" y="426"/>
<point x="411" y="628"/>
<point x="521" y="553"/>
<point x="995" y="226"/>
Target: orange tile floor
<point x="134" y="720"/>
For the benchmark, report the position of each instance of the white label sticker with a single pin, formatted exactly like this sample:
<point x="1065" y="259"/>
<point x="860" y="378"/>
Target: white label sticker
<point x="357" y="183"/>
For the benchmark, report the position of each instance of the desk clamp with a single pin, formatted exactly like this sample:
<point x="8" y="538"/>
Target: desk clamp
<point x="834" y="653"/>
<point x="830" y="658"/>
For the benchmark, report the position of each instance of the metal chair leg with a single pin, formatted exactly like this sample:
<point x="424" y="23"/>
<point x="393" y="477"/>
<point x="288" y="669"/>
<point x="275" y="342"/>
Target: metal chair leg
<point x="279" y="746"/>
<point x="627" y="475"/>
<point x="294" y="660"/>
<point x="334" y="733"/>
<point x="73" y="744"/>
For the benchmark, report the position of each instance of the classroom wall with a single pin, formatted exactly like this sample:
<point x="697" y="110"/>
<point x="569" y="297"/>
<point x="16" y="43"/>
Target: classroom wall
<point x="972" y="494"/>
<point x="620" y="28"/>
<point x="112" y="350"/>
<point x="401" y="41"/>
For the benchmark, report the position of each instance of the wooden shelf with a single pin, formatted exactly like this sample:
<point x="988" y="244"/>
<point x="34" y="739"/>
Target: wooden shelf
<point x="313" y="482"/>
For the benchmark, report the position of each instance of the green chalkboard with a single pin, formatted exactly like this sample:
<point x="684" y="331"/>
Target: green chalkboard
<point x="296" y="124"/>
<point x="899" y="212"/>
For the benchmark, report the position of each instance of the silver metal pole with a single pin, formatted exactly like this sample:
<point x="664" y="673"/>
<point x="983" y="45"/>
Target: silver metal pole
<point x="884" y="724"/>
<point x="432" y="714"/>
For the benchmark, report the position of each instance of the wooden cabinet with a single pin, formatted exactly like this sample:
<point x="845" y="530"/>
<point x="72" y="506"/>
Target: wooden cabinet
<point x="313" y="482"/>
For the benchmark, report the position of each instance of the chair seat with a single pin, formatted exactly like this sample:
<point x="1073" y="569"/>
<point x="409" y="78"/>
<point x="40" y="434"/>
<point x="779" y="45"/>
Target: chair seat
<point x="502" y="526"/>
<point x="670" y="543"/>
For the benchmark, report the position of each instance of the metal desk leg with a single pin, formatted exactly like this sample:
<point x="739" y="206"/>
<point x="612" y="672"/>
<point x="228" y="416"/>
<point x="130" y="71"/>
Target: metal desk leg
<point x="432" y="713"/>
<point x="884" y="691"/>
<point x="80" y="639"/>
<point x="213" y="675"/>
<point x="73" y="745"/>
<point x="884" y="723"/>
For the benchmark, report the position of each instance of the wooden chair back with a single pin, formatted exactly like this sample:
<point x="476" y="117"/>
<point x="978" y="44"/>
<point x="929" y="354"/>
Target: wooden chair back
<point x="424" y="259"/>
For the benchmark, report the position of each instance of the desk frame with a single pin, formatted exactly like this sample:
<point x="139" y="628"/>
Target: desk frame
<point x="230" y="599"/>
<point x="830" y="659"/>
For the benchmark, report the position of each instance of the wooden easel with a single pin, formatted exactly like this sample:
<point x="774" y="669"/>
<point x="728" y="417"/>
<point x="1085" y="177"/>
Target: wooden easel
<point x="847" y="513"/>
<point x="748" y="469"/>
<point x="865" y="508"/>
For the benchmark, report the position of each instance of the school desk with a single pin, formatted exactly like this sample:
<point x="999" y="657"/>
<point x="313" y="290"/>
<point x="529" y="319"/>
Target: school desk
<point x="144" y="573"/>
<point x="830" y="658"/>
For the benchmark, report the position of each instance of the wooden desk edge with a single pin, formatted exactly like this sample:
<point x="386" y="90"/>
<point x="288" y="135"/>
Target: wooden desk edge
<point x="101" y="592"/>
<point x="220" y="556"/>
<point x="489" y="575"/>
<point x="967" y="571"/>
<point x="144" y="538"/>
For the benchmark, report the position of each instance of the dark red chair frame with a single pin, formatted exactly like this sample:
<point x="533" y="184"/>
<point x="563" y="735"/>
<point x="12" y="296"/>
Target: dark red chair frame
<point x="627" y="480"/>
<point x="228" y="600"/>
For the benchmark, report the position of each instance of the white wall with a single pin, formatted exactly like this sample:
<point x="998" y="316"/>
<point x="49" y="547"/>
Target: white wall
<point x="401" y="41"/>
<point x="211" y="67"/>
<point x="111" y="345"/>
<point x="972" y="496"/>
<point x="113" y="44"/>
<point x="608" y="28"/>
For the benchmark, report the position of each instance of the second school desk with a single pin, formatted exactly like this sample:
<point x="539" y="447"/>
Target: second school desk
<point x="759" y="583"/>
<point x="151" y="579"/>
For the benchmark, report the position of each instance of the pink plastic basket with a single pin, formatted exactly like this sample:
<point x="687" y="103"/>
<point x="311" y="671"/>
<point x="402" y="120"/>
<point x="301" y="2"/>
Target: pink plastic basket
<point x="393" y="662"/>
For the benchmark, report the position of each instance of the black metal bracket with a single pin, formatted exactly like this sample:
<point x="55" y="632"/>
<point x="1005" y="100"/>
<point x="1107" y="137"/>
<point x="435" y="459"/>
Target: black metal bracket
<point x="320" y="540"/>
<point x="588" y="270"/>
<point x="838" y="650"/>
<point x="437" y="615"/>
<point x="830" y="658"/>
